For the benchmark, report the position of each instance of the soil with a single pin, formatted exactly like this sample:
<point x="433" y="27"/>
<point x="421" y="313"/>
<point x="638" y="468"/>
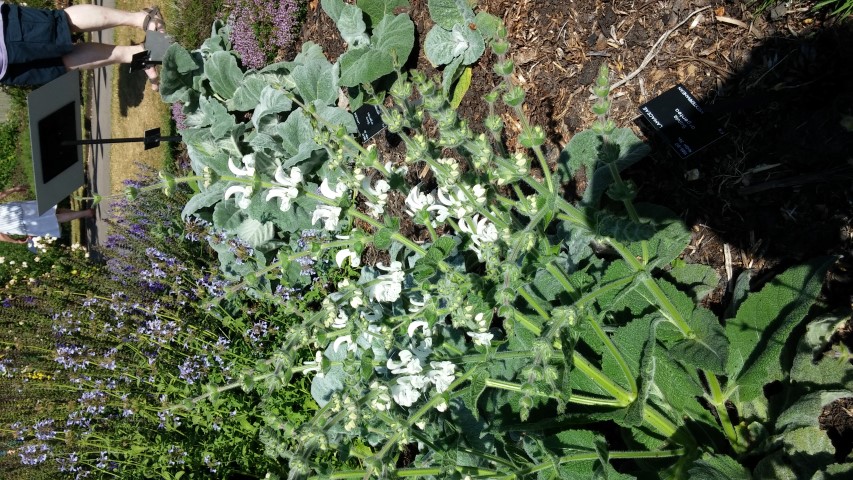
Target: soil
<point x="774" y="191"/>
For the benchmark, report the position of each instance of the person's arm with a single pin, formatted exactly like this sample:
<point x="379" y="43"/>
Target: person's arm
<point x="11" y="239"/>
<point x="13" y="190"/>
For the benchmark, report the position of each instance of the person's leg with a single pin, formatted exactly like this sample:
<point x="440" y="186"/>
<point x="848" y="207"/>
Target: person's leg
<point x="63" y="215"/>
<point x="89" y="18"/>
<point x="87" y="56"/>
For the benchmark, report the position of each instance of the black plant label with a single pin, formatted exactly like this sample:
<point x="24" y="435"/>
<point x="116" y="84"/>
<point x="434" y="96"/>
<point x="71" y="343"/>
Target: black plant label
<point x="368" y="120"/>
<point x="678" y="118"/>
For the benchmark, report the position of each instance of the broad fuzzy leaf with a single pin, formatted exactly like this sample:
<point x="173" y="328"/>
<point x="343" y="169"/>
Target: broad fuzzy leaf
<point x="297" y="136"/>
<point x="671" y="239"/>
<point x="227" y="216"/>
<point x="447" y="13"/>
<point x="462" y="86"/>
<point x="699" y="280"/>
<point x="487" y="25"/>
<point x="584" y="151"/>
<point x="248" y="94"/>
<point x="224" y="74"/>
<point x="622" y="229"/>
<point x="324" y="386"/>
<point x="204" y="199"/>
<point x="394" y="36"/>
<point x="764" y="323"/>
<point x="316" y="80"/>
<point x="824" y="370"/>
<point x="364" y="65"/>
<point x="806" y="410"/>
<point x="272" y="101"/>
<point x="350" y="21"/>
<point x="718" y="467"/>
<point x="255" y="233"/>
<point x="179" y="69"/>
<point x="336" y="116"/>
<point x="376" y="9"/>
<point x="449" y="73"/>
<point x="708" y="348"/>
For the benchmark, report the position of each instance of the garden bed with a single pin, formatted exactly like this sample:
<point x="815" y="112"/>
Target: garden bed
<point x="776" y="189"/>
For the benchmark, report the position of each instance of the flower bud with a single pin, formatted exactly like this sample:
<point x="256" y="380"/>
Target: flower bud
<point x="500" y="47"/>
<point x="504" y="68"/>
<point x="401" y="89"/>
<point x="494" y="123"/>
<point x="514" y="96"/>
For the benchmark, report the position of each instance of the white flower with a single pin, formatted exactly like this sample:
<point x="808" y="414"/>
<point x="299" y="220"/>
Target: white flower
<point x="379" y="193"/>
<point x="243" y="193"/>
<point x="341" y="320"/>
<point x="442" y="407"/>
<point x="441" y="375"/>
<point x="417" y="306"/>
<point x="342" y="255"/>
<point x="328" y="192"/>
<point x="286" y="194"/>
<point x="484" y="232"/>
<point x="405" y="392"/>
<point x="248" y="169"/>
<point x="387" y="287"/>
<point x="315" y="365"/>
<point x="454" y="202"/>
<point x="484" y="339"/>
<point x="408" y="364"/>
<point x="294" y="179"/>
<point x="345" y="339"/>
<point x="402" y="170"/>
<point x="417" y="201"/>
<point x="329" y="215"/>
<point x="414" y="326"/>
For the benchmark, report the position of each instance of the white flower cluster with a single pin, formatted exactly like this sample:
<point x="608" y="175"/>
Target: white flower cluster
<point x="445" y="203"/>
<point x="387" y="287"/>
<point x="42" y="243"/>
<point x="289" y="189"/>
<point x="414" y="380"/>
<point x="329" y="214"/>
<point x="377" y="196"/>
<point x="483" y="232"/>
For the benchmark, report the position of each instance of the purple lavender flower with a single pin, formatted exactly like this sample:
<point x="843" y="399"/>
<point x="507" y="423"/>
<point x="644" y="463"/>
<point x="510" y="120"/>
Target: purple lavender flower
<point x="260" y="27"/>
<point x="179" y="116"/>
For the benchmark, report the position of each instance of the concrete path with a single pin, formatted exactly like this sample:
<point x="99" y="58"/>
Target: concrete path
<point x="98" y="170"/>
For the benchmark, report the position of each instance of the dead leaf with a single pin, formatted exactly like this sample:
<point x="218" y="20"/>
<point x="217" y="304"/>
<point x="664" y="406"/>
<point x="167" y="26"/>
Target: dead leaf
<point x="720" y="11"/>
<point x="731" y="21"/>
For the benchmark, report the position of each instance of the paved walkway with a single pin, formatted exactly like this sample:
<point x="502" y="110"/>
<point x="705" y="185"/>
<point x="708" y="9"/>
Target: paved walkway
<point x="98" y="171"/>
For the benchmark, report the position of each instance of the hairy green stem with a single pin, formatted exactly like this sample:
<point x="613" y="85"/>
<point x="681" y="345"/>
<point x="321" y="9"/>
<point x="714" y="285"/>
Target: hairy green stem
<point x="718" y="400"/>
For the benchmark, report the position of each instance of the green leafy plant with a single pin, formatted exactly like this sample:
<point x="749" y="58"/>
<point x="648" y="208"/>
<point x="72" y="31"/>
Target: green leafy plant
<point x="476" y="323"/>
<point x="458" y="39"/>
<point x="379" y="41"/>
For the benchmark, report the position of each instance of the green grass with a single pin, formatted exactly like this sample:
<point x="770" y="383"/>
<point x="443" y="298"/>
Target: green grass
<point x="835" y="8"/>
<point x="189" y="21"/>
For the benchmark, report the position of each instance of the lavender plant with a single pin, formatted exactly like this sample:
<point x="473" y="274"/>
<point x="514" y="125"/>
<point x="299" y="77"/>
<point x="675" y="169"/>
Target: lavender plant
<point x="260" y="28"/>
<point x="121" y="359"/>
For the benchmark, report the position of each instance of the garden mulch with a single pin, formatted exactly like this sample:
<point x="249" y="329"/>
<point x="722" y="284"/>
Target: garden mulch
<point x="775" y="191"/>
